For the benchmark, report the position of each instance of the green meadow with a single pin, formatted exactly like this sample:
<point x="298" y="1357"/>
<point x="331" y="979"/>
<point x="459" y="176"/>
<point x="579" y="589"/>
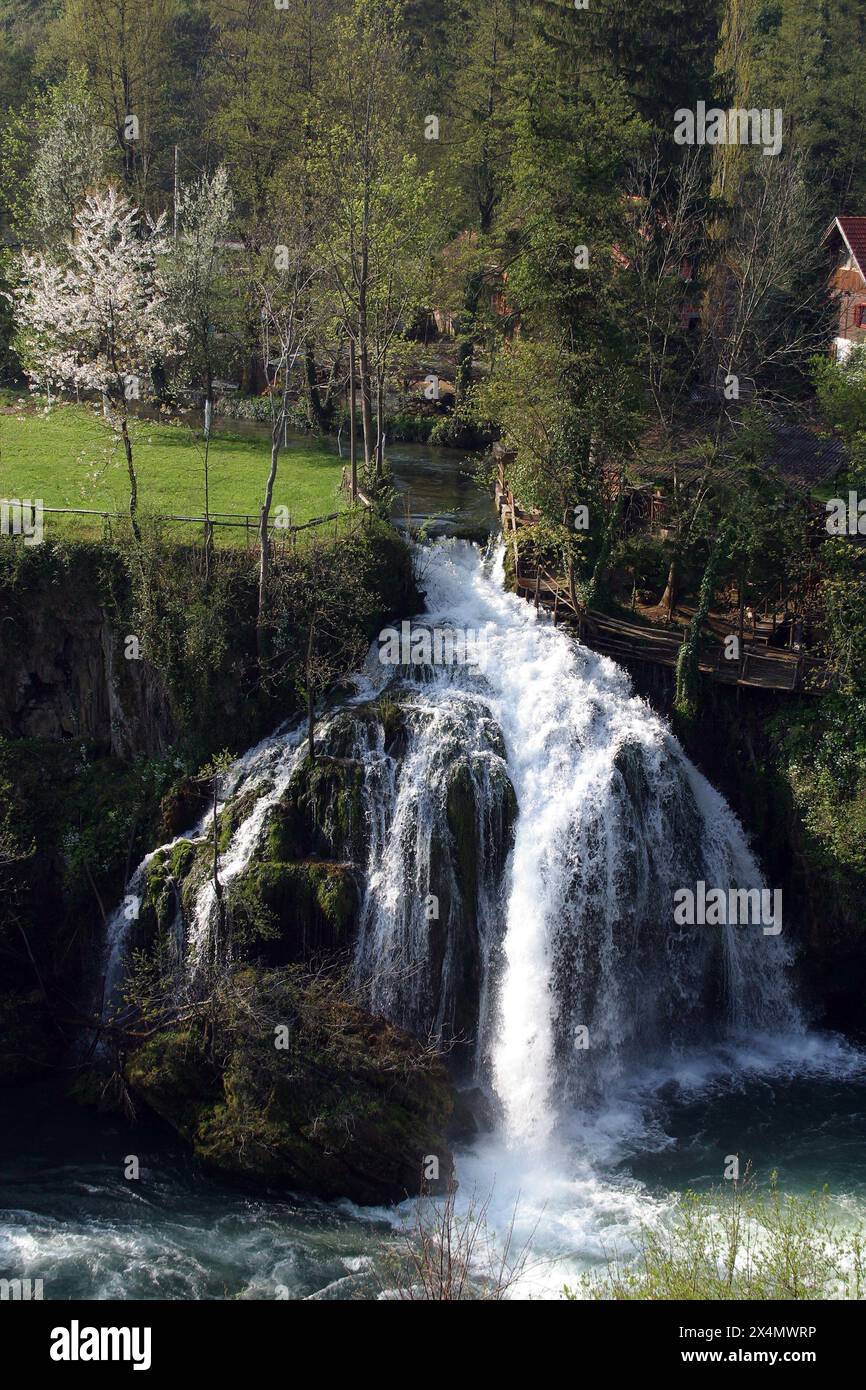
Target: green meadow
<point x="67" y="456"/>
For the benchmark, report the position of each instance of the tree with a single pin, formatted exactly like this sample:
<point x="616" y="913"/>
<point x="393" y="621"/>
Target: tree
<point x="759" y="296"/>
<point x="96" y="315"/>
<point x="124" y="46"/>
<point x="198" y="281"/>
<point x="54" y="152"/>
<point x="374" y="205"/>
<point x="313" y="635"/>
<point x="483" y="52"/>
<point x="283" y="280"/>
<point x="570" y="421"/>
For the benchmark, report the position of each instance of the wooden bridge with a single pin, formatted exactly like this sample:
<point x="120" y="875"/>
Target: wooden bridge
<point x="759" y="666"/>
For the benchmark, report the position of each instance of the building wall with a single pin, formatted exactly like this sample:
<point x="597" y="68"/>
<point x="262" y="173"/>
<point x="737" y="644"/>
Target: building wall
<point x="849" y="288"/>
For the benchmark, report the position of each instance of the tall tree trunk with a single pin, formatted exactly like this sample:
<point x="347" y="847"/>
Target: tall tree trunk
<point x="353" y="423"/>
<point x="669" y="597"/>
<point x="380" y="426"/>
<point x="466" y="347"/>
<point x="366" y="407"/>
<point x="133" y="481"/>
<point x="741" y="585"/>
<point x="264" y="550"/>
<point x="316" y="413"/>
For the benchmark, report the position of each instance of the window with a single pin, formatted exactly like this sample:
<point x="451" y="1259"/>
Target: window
<point x="860" y="315"/>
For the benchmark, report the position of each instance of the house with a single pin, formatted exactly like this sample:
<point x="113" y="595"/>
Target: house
<point x="460" y="261"/>
<point x="846" y="240"/>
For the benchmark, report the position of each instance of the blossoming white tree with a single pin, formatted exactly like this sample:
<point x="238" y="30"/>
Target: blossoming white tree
<point x="96" y="315"/>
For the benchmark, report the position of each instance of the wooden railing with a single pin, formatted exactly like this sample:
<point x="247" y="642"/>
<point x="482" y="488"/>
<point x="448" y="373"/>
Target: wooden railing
<point x="623" y="641"/>
<point x="757" y="666"/>
<point x="250" y="522"/>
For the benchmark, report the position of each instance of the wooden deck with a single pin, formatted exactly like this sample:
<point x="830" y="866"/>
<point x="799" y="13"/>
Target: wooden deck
<point x="761" y="667"/>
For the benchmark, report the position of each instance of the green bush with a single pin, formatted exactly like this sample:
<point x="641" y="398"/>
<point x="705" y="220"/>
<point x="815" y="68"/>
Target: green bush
<point x="745" y="1243"/>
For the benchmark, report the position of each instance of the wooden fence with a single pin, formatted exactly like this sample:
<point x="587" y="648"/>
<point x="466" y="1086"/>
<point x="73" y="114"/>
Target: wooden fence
<point x="248" y="522"/>
<point x="759" y="668"/>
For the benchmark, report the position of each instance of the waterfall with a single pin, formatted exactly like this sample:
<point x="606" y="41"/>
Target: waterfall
<point x="612" y="820"/>
<point x="527" y="821"/>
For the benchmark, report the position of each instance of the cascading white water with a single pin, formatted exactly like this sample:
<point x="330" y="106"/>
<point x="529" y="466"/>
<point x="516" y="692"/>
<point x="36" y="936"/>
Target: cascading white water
<point x="612" y="818"/>
<point x="563" y="935"/>
<point x="269" y="764"/>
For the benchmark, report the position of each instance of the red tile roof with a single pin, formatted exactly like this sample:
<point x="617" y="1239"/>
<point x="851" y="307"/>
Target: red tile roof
<point x="853" y="230"/>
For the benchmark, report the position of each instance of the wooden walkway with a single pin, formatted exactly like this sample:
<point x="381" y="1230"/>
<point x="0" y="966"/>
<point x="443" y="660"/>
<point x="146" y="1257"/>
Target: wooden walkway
<point x="760" y="667"/>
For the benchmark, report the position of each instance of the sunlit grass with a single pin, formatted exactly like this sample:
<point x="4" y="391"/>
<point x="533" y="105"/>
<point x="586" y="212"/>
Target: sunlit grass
<point x="68" y="457"/>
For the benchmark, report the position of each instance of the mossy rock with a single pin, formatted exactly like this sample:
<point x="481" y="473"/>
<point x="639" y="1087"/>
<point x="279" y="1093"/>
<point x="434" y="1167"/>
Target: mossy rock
<point x="164" y="879"/>
<point x="183" y="806"/>
<point x="395" y="725"/>
<point x="350" y="1106"/>
<point x="321" y="814"/>
<point x="235" y="812"/>
<point x="313" y="906"/>
<point x="456" y="863"/>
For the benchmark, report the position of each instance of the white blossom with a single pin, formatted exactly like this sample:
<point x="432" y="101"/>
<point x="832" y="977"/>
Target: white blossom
<point x="97" y="315"/>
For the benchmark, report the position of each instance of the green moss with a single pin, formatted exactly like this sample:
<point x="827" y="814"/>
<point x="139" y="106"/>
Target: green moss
<point x="181" y="859"/>
<point x="337" y="900"/>
<point x="321" y="814"/>
<point x="313" y="906"/>
<point x="392" y="717"/>
<point x="286" y="831"/>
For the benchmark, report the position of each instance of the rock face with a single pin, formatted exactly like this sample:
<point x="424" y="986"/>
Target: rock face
<point x="64" y="674"/>
<point x="288" y="1082"/>
<point x="354" y="1105"/>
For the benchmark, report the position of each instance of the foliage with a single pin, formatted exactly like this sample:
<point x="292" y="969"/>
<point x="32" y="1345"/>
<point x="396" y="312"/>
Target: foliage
<point x="823" y="753"/>
<point x="689" y="655"/>
<point x="344" y="1106"/>
<point x="843" y="602"/>
<point x="97" y="316"/>
<point x="743" y="1244"/>
<point x="54" y="152"/>
<point x="197" y="278"/>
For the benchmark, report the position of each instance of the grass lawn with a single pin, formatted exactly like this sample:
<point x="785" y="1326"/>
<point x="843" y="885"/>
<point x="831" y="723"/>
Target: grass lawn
<point x="69" y="458"/>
